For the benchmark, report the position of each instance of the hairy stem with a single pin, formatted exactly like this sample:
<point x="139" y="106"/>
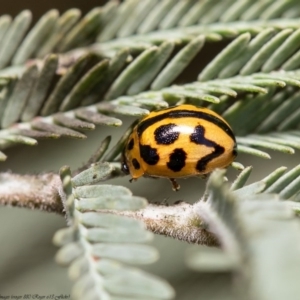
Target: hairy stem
<point x="44" y="192"/>
<point x="179" y="221"/>
<point x="31" y="191"/>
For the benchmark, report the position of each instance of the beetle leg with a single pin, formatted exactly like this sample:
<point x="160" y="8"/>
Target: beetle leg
<point x="132" y="179"/>
<point x="175" y="185"/>
<point x="204" y="176"/>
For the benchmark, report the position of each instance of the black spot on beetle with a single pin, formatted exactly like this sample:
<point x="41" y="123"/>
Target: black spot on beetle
<point x="177" y="160"/>
<point x="198" y="137"/>
<point x="136" y="164"/>
<point x="130" y="144"/>
<point x="149" y="154"/>
<point x="201" y="164"/>
<point x="94" y="176"/>
<point x="166" y="134"/>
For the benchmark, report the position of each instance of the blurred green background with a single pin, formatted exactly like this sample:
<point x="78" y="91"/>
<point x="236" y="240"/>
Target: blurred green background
<point x="27" y="255"/>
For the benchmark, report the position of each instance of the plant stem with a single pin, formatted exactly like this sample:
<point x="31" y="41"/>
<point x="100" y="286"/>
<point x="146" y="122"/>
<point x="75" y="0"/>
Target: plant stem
<point x="31" y="191"/>
<point x="44" y="192"/>
<point x="179" y="221"/>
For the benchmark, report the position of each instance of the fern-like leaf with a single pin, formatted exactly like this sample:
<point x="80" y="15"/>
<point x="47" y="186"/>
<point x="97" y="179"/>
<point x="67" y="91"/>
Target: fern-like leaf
<point x="247" y="217"/>
<point x="65" y="82"/>
<point x="97" y="245"/>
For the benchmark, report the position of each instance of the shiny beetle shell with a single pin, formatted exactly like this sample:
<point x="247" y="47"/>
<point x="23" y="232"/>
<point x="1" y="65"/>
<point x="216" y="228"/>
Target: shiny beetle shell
<point x="179" y="141"/>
